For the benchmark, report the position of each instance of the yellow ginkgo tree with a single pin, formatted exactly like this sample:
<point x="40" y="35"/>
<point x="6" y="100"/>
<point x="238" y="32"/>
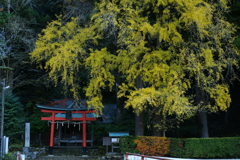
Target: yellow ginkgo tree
<point x="173" y="55"/>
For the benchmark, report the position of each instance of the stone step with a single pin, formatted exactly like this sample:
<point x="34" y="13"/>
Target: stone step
<point x="67" y="158"/>
<point x="70" y="154"/>
<point x="78" y="158"/>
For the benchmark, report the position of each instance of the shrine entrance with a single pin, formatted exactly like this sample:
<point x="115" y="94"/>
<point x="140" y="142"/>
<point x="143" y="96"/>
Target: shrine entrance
<point x="70" y="134"/>
<point x="71" y="117"/>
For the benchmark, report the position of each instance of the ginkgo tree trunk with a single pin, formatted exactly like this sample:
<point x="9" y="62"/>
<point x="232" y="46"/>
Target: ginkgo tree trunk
<point x="169" y="46"/>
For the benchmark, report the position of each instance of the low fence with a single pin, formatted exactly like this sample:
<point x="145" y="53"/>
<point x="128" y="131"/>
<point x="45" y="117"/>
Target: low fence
<point x="133" y="156"/>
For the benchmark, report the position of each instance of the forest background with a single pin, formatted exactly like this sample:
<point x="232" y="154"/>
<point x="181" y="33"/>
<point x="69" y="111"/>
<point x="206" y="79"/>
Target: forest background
<point x="22" y="23"/>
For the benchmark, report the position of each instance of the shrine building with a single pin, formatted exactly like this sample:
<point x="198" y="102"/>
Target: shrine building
<point x="70" y="119"/>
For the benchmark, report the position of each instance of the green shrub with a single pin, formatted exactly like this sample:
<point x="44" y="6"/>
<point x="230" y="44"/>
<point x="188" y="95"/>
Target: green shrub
<point x="9" y="156"/>
<point x="228" y="147"/>
<point x="233" y="147"/>
<point x="152" y="146"/>
<point x="176" y="147"/>
<point x="127" y="144"/>
<point x="212" y="147"/>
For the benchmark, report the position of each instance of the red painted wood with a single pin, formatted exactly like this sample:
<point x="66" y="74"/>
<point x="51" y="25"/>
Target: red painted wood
<point x="84" y="125"/>
<point x="64" y="119"/>
<point x="50" y="111"/>
<point x="145" y="156"/>
<point x="52" y="130"/>
<point x="53" y="119"/>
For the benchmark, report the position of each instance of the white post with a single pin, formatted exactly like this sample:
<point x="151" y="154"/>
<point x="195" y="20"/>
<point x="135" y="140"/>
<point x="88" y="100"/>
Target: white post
<point x="5" y="145"/>
<point x="27" y="135"/>
<point x="2" y="118"/>
<point x="6" y="149"/>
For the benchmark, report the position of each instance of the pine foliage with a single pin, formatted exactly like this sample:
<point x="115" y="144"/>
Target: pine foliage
<point x="14" y="117"/>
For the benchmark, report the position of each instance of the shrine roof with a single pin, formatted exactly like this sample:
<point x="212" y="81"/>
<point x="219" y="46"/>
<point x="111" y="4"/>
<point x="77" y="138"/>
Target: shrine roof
<point x="66" y="104"/>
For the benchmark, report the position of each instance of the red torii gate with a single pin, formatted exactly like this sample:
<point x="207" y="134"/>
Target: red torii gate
<point x="84" y="120"/>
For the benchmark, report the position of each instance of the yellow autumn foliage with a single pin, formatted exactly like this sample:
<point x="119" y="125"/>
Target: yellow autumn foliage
<point x="152" y="146"/>
<point x="172" y="46"/>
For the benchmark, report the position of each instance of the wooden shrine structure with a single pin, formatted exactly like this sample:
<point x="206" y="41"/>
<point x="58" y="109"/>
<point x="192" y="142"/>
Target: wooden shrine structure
<point x="68" y="111"/>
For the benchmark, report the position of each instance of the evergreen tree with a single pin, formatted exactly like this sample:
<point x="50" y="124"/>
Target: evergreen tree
<point x="14" y="116"/>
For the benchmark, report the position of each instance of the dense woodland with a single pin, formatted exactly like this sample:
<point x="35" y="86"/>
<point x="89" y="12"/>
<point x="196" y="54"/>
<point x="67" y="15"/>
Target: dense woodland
<point x="170" y="66"/>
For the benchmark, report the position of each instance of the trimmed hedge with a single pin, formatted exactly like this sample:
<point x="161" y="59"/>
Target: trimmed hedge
<point x="212" y="147"/>
<point x="228" y="147"/>
<point x="127" y="144"/>
<point x="177" y="147"/>
<point x="152" y="146"/>
<point x="157" y="146"/>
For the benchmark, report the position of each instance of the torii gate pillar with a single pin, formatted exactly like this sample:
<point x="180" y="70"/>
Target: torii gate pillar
<point x="52" y="134"/>
<point x="84" y="133"/>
